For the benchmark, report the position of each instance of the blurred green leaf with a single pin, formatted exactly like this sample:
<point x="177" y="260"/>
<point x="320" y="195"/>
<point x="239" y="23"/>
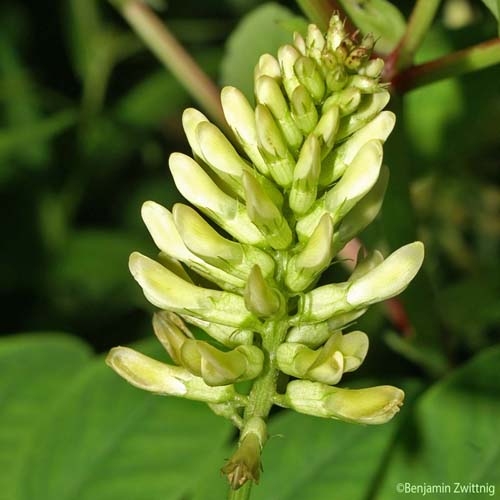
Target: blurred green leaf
<point x="471" y="306"/>
<point x="93" y="268"/>
<point x="19" y="139"/>
<point x="107" y="440"/>
<point x="247" y="43"/>
<point x="25" y="132"/>
<point x="454" y="435"/>
<point x="379" y="17"/>
<point x="32" y="367"/>
<point x="152" y="100"/>
<point x="426" y="118"/>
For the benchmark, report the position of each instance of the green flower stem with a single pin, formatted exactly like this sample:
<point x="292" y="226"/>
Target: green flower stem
<point x="262" y="395"/>
<point x="464" y="61"/>
<point x="419" y="23"/>
<point x="171" y="53"/>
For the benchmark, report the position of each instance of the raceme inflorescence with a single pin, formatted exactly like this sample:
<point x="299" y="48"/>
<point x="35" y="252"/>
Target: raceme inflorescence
<point x="300" y="178"/>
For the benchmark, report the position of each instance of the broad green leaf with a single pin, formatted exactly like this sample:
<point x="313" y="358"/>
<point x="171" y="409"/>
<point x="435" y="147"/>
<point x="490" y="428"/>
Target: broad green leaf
<point x="33" y="371"/>
<point x="379" y="17"/>
<point x="454" y="435"/>
<point x="259" y="32"/>
<point x="315" y="459"/>
<point x="107" y="440"/>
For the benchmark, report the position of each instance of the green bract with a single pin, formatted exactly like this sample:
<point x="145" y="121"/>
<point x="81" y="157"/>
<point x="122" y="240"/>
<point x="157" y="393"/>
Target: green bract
<point x="302" y="178"/>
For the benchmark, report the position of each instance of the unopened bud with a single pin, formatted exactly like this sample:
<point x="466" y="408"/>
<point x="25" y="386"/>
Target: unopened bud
<point x="233" y="257"/>
<point x="370" y="106"/>
<point x="265" y="215"/>
<point x="309" y="75"/>
<point x="363" y="213"/>
<point x="171" y="332"/>
<point x="299" y="42"/>
<point x="260" y="298"/>
<point x="167" y="291"/>
<point x="336" y="33"/>
<point x="337" y="161"/>
<point x="273" y="147"/>
<point x="151" y="375"/>
<point x="268" y="93"/>
<point x="305" y="176"/>
<point x="375" y="405"/>
<point x="389" y="278"/>
<point x="197" y="187"/>
<point x="241" y="118"/>
<point x="315" y="42"/>
<point x="305" y="267"/>
<point x="358" y="179"/>
<point x="326" y="130"/>
<point x="267" y="65"/>
<point x="287" y="56"/>
<point x="372" y="68"/>
<point x="304" y="111"/>
<point x="191" y="118"/>
<point x="162" y="228"/>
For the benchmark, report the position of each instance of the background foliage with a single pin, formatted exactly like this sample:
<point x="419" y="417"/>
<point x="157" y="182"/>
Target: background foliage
<point x="88" y="118"/>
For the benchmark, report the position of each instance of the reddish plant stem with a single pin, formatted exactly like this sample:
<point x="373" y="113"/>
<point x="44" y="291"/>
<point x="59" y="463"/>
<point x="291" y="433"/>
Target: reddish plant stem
<point x="474" y="58"/>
